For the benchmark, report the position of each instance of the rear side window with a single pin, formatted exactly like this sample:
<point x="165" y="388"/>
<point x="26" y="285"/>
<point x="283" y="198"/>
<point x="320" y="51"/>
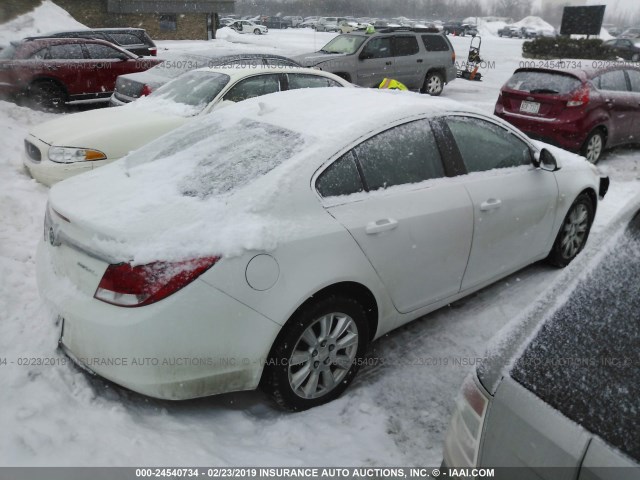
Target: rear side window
<point x="543" y="82"/>
<point x="309" y="81"/>
<point x="634" y="76"/>
<point x="612" y="81"/>
<point x="485" y="146"/>
<point x="126" y="39"/>
<point x="70" y="51"/>
<point x="435" y="43"/>
<point x="406" y="45"/>
<point x="340" y="178"/>
<point x="401" y="155"/>
<point x="103" y="52"/>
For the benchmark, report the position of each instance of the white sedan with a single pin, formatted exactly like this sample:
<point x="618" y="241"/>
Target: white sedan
<point x="247" y="26"/>
<point x="84" y="141"/>
<point x="269" y="244"/>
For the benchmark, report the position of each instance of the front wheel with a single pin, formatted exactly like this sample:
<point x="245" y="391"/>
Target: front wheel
<point x="317" y="355"/>
<point x="257" y="31"/>
<point x="574" y="232"/>
<point x="47" y="96"/>
<point x="594" y="146"/>
<point x="433" y="84"/>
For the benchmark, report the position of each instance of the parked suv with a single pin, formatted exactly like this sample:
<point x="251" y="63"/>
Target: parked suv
<point x="460" y="29"/>
<point x="134" y="40"/>
<point x="422" y="60"/>
<point x="55" y="71"/>
<point x="581" y="110"/>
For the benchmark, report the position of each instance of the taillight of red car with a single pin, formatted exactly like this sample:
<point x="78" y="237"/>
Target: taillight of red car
<point x="153" y="51"/>
<point x="579" y="97"/>
<point x="146" y="90"/>
<point x="126" y="285"/>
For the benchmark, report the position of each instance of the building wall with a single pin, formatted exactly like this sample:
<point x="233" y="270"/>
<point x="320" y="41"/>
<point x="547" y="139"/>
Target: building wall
<point x="9" y="9"/>
<point x="94" y="14"/>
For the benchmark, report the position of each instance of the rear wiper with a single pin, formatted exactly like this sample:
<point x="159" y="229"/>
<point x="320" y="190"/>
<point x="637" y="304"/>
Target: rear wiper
<point x="543" y="90"/>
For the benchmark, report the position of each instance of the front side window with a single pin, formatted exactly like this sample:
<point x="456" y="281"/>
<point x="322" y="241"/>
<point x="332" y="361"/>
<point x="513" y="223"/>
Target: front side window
<point x="378" y="48"/>
<point x="297" y="81"/>
<point x="401" y="155"/>
<point x="41" y="54"/>
<point x="406" y="45"/>
<point x="103" y="52"/>
<point x="486" y="146"/>
<point x="612" y="81"/>
<point x="340" y="178"/>
<point x="70" y="51"/>
<point x="254" y="87"/>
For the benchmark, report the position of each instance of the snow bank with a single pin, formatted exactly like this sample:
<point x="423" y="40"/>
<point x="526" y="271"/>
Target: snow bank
<point x="535" y="22"/>
<point x="43" y="19"/>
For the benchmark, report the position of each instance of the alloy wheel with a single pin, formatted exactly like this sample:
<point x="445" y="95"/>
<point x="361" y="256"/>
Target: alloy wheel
<point x="323" y="355"/>
<point x="594" y="148"/>
<point x="574" y="230"/>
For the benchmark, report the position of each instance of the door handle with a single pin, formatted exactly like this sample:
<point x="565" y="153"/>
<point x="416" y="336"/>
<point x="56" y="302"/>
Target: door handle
<point x="382" y="225"/>
<point x="491" y="204"/>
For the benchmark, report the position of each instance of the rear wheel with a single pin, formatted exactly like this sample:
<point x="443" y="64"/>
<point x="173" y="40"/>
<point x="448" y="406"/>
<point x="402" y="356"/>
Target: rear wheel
<point x="47" y="96"/>
<point x="316" y="356"/>
<point x="574" y="232"/>
<point x="433" y="84"/>
<point x="594" y="146"/>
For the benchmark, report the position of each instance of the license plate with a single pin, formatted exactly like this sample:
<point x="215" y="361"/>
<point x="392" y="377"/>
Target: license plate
<point x="529" y="107"/>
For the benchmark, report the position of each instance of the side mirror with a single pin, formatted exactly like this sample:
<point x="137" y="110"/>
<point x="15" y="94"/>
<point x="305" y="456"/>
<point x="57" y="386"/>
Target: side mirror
<point x="545" y="160"/>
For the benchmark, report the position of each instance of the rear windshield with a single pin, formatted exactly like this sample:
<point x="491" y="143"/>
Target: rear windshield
<point x="218" y="158"/>
<point x="193" y="89"/>
<point x="585" y="359"/>
<point x="543" y="82"/>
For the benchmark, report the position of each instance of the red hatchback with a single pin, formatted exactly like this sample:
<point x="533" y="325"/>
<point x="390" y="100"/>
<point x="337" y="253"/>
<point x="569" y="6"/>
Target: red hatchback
<point x="56" y="71"/>
<point x="581" y="110"/>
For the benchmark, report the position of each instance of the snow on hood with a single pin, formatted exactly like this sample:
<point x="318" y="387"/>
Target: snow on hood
<point x="37" y="22"/>
<point x="100" y="129"/>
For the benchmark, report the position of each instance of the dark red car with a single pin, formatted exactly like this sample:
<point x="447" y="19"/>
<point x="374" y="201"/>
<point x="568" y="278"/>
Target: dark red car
<point x="583" y="110"/>
<point x="53" y="72"/>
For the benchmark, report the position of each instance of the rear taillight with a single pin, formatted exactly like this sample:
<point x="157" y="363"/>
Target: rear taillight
<point x="462" y="441"/>
<point x="453" y="57"/>
<point x="579" y="97"/>
<point x="153" y="51"/>
<point x="135" y="286"/>
<point x="146" y="90"/>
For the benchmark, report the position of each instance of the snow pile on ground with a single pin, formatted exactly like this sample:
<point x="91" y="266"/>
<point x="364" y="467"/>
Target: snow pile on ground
<point x="536" y="23"/>
<point x="46" y="18"/>
<point x="490" y="28"/>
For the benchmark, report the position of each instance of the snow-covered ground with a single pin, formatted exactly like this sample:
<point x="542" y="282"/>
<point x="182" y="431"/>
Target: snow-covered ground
<point x="395" y="413"/>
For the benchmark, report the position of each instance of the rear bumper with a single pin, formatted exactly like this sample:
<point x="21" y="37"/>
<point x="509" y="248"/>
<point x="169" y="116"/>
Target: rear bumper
<point x="194" y="343"/>
<point x="569" y="135"/>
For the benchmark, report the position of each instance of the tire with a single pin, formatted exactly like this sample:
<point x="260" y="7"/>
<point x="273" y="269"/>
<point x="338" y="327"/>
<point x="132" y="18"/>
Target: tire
<point x="574" y="232"/>
<point x="322" y="369"/>
<point x="47" y="96"/>
<point x="594" y="146"/>
<point x="433" y="84"/>
<point x="257" y="31"/>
